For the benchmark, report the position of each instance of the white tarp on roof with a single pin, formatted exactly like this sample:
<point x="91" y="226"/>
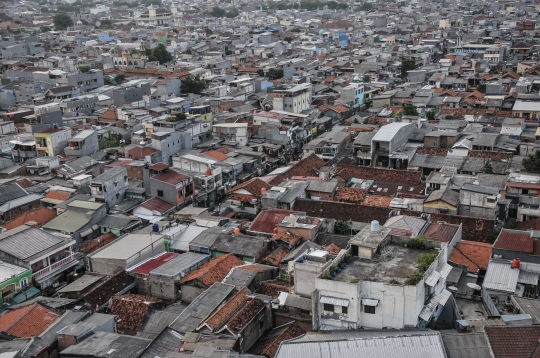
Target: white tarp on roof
<point x="370" y="302"/>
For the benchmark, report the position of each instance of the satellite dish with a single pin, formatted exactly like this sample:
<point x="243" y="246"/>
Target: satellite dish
<point x="474" y="286"/>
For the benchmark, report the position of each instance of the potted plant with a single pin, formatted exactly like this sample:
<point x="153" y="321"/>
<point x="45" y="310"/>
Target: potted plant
<point x="333" y="273"/>
<point x="348" y="258"/>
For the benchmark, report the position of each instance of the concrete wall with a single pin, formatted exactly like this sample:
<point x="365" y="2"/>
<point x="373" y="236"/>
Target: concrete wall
<point x="163" y="287"/>
<point x="189" y="293"/>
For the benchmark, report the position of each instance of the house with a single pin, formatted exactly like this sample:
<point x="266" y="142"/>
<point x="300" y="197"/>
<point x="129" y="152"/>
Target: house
<point x="131" y="310"/>
<point x="242" y="316"/>
<point x="233" y="134"/>
<point x="198" y="281"/>
<point x="82" y="144"/>
<point x="479" y="201"/>
<point x="387" y="140"/>
<point x="50" y="258"/>
<point x="294" y="99"/>
<point x="244" y="196"/>
<point x="77" y="167"/>
<point x="125" y="252"/>
<point x="79" y="220"/>
<point x="172" y="187"/>
<point x="361" y="294"/>
<point x="170" y="143"/>
<point x="13" y="279"/>
<point x="300" y="225"/>
<point x="110" y="187"/>
<point x="119" y="224"/>
<point x="269" y="343"/>
<point x="246" y="248"/>
<point x="30" y="321"/>
<point x="50" y="142"/>
<point x="38" y="217"/>
<point x="153" y="209"/>
<point x="72" y="333"/>
<point x="516" y="243"/>
<point x="321" y="190"/>
<point x="13" y="208"/>
<point x="526" y="110"/>
<point x="472" y="255"/>
<point x="520" y="341"/>
<point x="442" y="201"/>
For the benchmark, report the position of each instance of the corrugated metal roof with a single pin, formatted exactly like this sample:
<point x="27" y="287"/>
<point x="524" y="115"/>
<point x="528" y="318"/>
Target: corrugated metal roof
<point x="431" y="307"/>
<point x="383" y="346"/>
<point x="334" y="301"/>
<point x="25" y="242"/>
<point x="526" y="277"/>
<point x="500" y="276"/>
<point x="433" y="278"/>
<point x="179" y="264"/>
<point x="69" y="221"/>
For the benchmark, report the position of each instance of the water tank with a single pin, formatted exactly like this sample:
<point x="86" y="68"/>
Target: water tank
<point x="237" y="231"/>
<point x="155" y="228"/>
<point x="208" y="172"/>
<point x="275" y="230"/>
<point x="263" y="191"/>
<point x="146" y="165"/>
<point x="516" y="263"/>
<point x="374" y="226"/>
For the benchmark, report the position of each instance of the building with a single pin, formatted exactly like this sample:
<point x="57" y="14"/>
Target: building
<point x="13" y="279"/>
<point x="233" y="134"/>
<point x="75" y="106"/>
<point x="376" y="288"/>
<point x="479" y="201"/>
<point x="387" y="140"/>
<point x="50" y="257"/>
<point x="294" y="99"/>
<point x="526" y="110"/>
<point x="110" y="187"/>
<point x="50" y="142"/>
<point x="83" y="144"/>
<point x="155" y="17"/>
<point x="86" y="81"/>
<point x="172" y="187"/>
<point x="125" y="252"/>
<point x="170" y="143"/>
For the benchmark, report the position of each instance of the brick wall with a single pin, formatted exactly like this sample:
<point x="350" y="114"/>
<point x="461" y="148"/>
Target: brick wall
<point x="475" y="229"/>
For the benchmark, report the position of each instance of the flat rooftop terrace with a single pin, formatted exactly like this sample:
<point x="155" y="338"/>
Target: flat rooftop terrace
<point x="396" y="266"/>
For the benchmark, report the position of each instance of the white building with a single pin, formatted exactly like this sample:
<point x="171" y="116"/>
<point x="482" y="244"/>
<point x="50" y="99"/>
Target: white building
<point x="295" y="99"/>
<point x="233" y="133"/>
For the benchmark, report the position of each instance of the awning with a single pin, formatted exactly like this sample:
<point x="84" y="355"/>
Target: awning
<point x="335" y="301"/>
<point x="86" y="232"/>
<point x="370" y="302"/>
<point x="95" y="227"/>
<point x="433" y="278"/>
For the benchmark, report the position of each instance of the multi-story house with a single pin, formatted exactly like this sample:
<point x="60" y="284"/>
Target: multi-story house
<point x="170" y="143"/>
<point x="72" y="107"/>
<point x="84" y="143"/>
<point x="110" y="187"/>
<point x="50" y="142"/>
<point x="234" y="134"/>
<point x="24" y="148"/>
<point x="172" y="187"/>
<point x="86" y="81"/>
<point x="295" y="99"/>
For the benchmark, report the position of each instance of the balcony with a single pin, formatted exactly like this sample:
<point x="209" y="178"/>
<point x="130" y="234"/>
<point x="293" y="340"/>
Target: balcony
<point x="57" y="267"/>
<point x="73" y="151"/>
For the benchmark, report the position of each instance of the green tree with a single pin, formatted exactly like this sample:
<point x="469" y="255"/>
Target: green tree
<point x="119" y="78"/>
<point x="430" y="115"/>
<point x="487" y="168"/>
<point x="62" y="21"/>
<point x="366" y="7"/>
<point x="296" y="29"/>
<point x="260" y="72"/>
<point x="217" y="12"/>
<point x="410" y="110"/>
<point x="84" y="22"/>
<point x="112" y="141"/>
<point x="152" y="58"/>
<point x="228" y="52"/>
<point x="531" y="163"/>
<point x="208" y="31"/>
<point x="84" y="69"/>
<point x="45" y="29"/>
<point x="232" y="13"/>
<point x="342" y="228"/>
<point x="192" y="85"/>
<point x="481" y="88"/>
<point x="107" y="81"/>
<point x="161" y="53"/>
<point x="407" y="64"/>
<point x="106" y="25"/>
<point x="274" y="73"/>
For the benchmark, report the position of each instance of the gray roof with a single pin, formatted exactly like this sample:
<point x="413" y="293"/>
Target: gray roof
<point x="109" y="174"/>
<point x="466" y="345"/>
<point x="202" y="307"/>
<point x="239" y="278"/>
<point x="78" y="328"/>
<point x="446" y="195"/>
<point x="110" y="345"/>
<point x="183" y="240"/>
<point x="16" y="345"/>
<point x="155" y="323"/>
<point x="164" y="344"/>
<point x="243" y="245"/>
<point x="294" y="192"/>
<point x="379" y="344"/>
<point x="500" y="276"/>
<point x="296" y="301"/>
<point x="69" y="221"/>
<point x="10" y="192"/>
<point x="78" y="165"/>
<point x="480" y="189"/>
<point x="10" y="205"/>
<point x="117" y="221"/>
<point x="529" y="306"/>
<point x="322" y="186"/>
<point x="485" y="139"/>
<point x="82" y="283"/>
<point x="25" y="242"/>
<point x="180" y="263"/>
<point x="208" y="236"/>
<point x="435" y="161"/>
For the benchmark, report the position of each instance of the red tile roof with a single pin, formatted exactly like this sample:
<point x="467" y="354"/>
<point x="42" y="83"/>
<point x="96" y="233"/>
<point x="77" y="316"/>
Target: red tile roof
<point x="28" y="321"/>
<point x="58" y="195"/>
<point x="267" y="220"/>
<point x="253" y="186"/>
<point x="94" y="244"/>
<point x="333" y="248"/>
<point x="513" y="341"/>
<point x="40" y="216"/>
<point x="347" y="172"/>
<point x="244" y="315"/>
<point x="213" y="271"/>
<point x="157" y="204"/>
<point x="273" y="288"/>
<point x="529" y="224"/>
<point x="268" y="345"/>
<point x="441" y="232"/>
<point x="306" y="167"/>
<point x="222" y="314"/>
<point x="514" y="241"/>
<point x="474" y="255"/>
<point x="216" y="155"/>
<point x="25" y="183"/>
<point x="140" y="152"/>
<point x="274" y="257"/>
<point x="288" y="237"/>
<point x="350" y="195"/>
<point x="154" y="263"/>
<point x="171" y="177"/>
<point x="108" y="288"/>
<point x="377" y="200"/>
<point x="131" y="310"/>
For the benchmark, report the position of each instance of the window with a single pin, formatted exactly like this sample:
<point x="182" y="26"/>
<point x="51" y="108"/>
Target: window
<point x="344" y="310"/>
<point x="160" y="193"/>
<point x="328" y="307"/>
<point x="369" y="309"/>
